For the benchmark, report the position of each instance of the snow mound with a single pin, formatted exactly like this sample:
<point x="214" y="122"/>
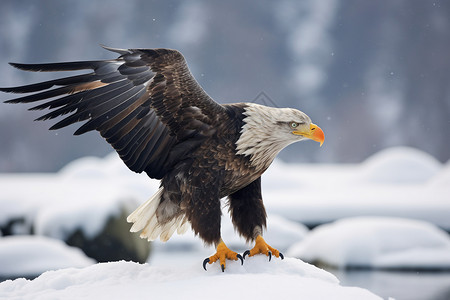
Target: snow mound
<point x="85" y="167"/>
<point x="442" y="179"/>
<point x="257" y="279"/>
<point x="32" y="255"/>
<point x="109" y="169"/>
<point x="400" y="165"/>
<point x="84" y="194"/>
<point x="376" y="242"/>
<point x="94" y="167"/>
<point x="87" y="211"/>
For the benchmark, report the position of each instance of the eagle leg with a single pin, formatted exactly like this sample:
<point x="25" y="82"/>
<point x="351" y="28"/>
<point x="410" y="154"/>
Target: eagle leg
<point x="222" y="254"/>
<point x="262" y="247"/>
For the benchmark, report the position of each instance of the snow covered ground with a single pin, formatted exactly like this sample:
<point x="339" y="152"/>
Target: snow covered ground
<point x="257" y="279"/>
<point x="386" y="193"/>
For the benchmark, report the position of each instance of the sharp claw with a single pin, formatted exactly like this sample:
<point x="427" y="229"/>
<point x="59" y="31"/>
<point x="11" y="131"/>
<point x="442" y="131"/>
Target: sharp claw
<point x="270" y="255"/>
<point x="205" y="262"/>
<point x="223" y="267"/>
<point x="240" y="257"/>
<point x="247" y="252"/>
<point x="281" y="255"/>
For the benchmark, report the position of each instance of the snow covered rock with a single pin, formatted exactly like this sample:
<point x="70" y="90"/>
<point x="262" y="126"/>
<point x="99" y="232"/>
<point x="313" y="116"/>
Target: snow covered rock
<point x="85" y="204"/>
<point x="256" y="279"/>
<point x="29" y="256"/>
<point x="400" y="165"/>
<point x="376" y="242"/>
<point x="112" y="243"/>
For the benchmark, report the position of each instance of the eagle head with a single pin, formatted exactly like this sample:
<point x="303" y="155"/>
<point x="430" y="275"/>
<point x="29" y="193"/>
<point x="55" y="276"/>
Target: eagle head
<point x="267" y="130"/>
<point x="297" y="126"/>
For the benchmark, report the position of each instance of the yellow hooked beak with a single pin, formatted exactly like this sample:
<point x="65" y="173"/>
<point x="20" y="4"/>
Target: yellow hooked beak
<point x="314" y="133"/>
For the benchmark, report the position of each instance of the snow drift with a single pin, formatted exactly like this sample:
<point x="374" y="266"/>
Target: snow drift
<point x="31" y="255"/>
<point x="256" y="279"/>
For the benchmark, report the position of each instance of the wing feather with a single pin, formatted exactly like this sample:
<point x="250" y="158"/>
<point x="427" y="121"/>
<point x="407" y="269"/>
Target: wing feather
<point x="48" y="84"/>
<point x="145" y="103"/>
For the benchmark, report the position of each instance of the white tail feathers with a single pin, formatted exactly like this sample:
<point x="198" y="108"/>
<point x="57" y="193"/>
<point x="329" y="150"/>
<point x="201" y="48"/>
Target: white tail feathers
<point x="144" y="218"/>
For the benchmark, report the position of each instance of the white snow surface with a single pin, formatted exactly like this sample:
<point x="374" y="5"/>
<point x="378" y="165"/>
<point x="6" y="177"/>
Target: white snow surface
<point x="376" y="242"/>
<point x="32" y="255"/>
<point x="399" y="182"/>
<point x="400" y="165"/>
<point x="396" y="182"/>
<point x="256" y="279"/>
<point x="442" y="179"/>
<point x="82" y="195"/>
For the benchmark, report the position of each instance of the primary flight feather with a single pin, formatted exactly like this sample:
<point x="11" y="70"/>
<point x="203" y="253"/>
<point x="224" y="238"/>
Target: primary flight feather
<point x="152" y="111"/>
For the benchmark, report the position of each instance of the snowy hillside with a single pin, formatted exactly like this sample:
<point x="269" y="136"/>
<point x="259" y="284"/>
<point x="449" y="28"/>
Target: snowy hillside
<point x="257" y="279"/>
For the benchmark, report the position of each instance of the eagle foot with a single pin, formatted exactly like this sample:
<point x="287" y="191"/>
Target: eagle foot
<point x="223" y="253"/>
<point x="261" y="247"/>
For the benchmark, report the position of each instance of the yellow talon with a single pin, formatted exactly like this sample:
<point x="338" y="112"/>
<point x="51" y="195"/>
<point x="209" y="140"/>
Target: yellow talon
<point x="262" y="247"/>
<point x="222" y="254"/>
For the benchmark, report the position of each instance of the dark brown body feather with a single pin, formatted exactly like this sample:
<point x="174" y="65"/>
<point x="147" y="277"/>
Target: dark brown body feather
<point x="148" y="106"/>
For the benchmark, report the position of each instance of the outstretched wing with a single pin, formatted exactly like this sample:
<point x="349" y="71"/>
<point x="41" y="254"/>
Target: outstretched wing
<point x="145" y="103"/>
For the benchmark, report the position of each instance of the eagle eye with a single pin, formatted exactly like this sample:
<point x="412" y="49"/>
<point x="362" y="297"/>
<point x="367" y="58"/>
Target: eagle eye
<point x="295" y="124"/>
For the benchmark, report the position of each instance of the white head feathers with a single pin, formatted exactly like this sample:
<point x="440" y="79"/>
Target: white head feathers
<point x="266" y="131"/>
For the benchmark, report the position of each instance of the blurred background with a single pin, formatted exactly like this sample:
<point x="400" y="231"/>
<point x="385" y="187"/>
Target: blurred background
<point x="372" y="74"/>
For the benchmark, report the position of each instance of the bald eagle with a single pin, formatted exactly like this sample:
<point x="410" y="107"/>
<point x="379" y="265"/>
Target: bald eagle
<point x="147" y="105"/>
